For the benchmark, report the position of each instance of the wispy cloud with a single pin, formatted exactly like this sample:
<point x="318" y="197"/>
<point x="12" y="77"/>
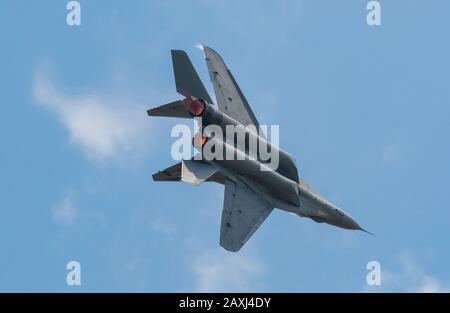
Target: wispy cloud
<point x="222" y="271"/>
<point x="409" y="277"/>
<point x="430" y="285"/>
<point x="65" y="213"/>
<point x="416" y="279"/>
<point x="100" y="126"/>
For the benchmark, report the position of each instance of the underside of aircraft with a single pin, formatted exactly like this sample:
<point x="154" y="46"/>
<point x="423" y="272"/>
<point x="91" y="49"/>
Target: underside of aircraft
<point x="250" y="195"/>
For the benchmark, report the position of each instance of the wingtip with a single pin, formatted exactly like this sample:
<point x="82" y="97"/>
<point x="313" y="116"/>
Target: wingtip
<point x="210" y="50"/>
<point x="153" y="112"/>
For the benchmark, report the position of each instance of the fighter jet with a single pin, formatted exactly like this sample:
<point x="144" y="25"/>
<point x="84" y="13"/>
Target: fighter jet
<point x="250" y="193"/>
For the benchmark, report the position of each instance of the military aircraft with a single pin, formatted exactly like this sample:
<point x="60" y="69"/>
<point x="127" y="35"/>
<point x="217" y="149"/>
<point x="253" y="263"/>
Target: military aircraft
<point x="250" y="193"/>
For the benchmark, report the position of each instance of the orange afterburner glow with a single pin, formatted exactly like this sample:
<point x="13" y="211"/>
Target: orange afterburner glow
<point x="199" y="140"/>
<point x="196" y="107"/>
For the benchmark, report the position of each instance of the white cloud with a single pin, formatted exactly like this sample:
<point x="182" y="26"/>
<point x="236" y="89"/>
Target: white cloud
<point x="101" y="127"/>
<point x="66" y="212"/>
<point x="430" y="285"/>
<point x="223" y="271"/>
<point x="409" y="277"/>
<point x="416" y="278"/>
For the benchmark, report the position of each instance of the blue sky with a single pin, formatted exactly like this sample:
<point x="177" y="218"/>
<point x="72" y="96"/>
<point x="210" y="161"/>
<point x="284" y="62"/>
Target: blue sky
<point x="365" y="111"/>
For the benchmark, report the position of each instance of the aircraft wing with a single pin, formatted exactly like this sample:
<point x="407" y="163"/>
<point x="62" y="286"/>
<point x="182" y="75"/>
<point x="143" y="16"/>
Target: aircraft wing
<point x="230" y="99"/>
<point x="243" y="212"/>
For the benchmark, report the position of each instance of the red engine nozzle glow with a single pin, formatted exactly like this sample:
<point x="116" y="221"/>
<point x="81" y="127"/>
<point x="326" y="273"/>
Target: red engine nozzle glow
<point x="196" y="107"/>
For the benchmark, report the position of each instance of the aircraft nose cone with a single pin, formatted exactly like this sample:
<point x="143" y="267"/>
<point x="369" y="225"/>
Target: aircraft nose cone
<point x="351" y="223"/>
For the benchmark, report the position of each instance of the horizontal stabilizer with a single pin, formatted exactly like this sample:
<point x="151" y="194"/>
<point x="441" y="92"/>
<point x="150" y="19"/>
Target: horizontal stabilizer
<point x="186" y="78"/>
<point x="172" y="173"/>
<point x="173" y="109"/>
<point x="195" y="172"/>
